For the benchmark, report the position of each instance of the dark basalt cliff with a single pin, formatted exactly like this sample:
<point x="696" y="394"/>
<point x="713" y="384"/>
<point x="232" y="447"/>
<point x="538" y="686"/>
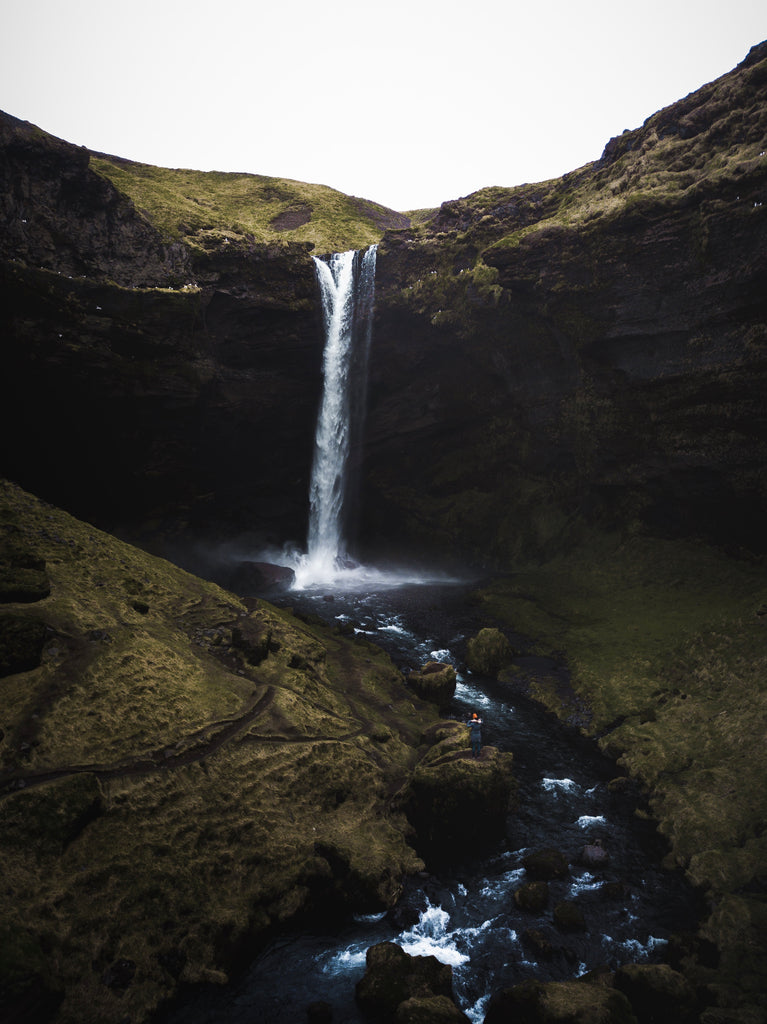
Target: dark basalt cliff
<point x="586" y="350"/>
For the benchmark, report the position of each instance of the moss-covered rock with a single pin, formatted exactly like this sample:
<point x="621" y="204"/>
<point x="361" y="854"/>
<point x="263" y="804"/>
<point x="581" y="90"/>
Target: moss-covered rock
<point x="568" y="917"/>
<point x="488" y="652"/>
<point x="532" y="897"/>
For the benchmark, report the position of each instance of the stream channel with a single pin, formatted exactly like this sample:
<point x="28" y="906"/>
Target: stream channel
<point x="466" y="916"/>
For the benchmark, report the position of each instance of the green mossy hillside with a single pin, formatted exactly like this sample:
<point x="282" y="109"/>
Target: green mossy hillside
<point x="179" y="773"/>
<point x="667" y="644"/>
<point x="206" y="209"/>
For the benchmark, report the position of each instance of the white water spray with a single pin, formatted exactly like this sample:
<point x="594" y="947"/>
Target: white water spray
<point x="347" y="287"/>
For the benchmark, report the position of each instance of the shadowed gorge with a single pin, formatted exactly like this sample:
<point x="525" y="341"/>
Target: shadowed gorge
<point x="565" y="404"/>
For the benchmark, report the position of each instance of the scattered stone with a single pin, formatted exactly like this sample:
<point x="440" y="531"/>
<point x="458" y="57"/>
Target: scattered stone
<point x="594" y="855"/>
<point x="99" y="636"/>
<point x="613" y="890"/>
<point x="538" y="942"/>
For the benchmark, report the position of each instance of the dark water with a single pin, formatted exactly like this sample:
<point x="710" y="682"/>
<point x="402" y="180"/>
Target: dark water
<point x="466" y="916"/>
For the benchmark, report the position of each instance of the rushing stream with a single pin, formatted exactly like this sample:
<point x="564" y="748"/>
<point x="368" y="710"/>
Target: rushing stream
<point x="466" y="916"/>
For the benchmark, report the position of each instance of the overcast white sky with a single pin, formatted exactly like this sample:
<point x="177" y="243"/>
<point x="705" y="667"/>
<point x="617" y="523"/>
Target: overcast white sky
<point x="406" y="102"/>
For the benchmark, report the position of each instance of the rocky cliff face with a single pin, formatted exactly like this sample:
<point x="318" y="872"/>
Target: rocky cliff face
<point x="582" y="352"/>
<point x="590" y="350"/>
<point x="143" y="378"/>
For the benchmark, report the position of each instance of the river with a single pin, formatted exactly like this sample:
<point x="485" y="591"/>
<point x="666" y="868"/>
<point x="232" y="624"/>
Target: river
<point x="466" y="915"/>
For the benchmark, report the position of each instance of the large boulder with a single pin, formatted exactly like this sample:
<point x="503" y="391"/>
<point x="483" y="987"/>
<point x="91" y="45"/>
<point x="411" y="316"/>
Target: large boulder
<point x="558" y="1002"/>
<point x="406" y="989"/>
<point x="594" y="856"/>
<point x="488" y="652"/>
<point x="435" y="682"/>
<point x="457" y="804"/>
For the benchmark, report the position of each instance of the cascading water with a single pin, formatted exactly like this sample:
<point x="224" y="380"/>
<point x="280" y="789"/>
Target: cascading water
<point x="347" y="286"/>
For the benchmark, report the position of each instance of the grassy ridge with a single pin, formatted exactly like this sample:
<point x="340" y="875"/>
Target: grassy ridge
<point x="203" y="208"/>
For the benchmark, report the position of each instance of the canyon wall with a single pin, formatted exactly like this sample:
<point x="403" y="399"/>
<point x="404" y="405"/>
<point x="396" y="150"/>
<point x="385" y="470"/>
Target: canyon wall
<point x="587" y="352"/>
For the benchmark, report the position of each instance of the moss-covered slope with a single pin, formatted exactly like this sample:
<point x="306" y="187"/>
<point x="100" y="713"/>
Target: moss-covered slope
<point x="667" y="643"/>
<point x="178" y="772"/>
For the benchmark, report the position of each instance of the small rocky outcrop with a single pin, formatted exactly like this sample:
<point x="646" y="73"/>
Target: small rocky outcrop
<point x="488" y="652"/>
<point x="457" y="804"/>
<point x="434" y="682"/>
<point x="398" y="988"/>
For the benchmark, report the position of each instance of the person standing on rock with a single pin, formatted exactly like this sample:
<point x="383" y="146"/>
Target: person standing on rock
<point x="475" y="730"/>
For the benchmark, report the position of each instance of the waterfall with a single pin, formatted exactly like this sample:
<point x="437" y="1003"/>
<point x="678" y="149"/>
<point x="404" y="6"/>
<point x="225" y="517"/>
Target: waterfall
<point x="347" y="287"/>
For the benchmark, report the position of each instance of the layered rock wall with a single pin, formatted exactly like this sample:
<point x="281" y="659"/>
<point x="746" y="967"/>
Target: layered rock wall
<point x="590" y="351"/>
